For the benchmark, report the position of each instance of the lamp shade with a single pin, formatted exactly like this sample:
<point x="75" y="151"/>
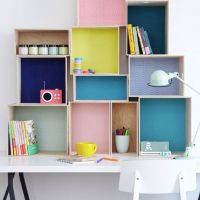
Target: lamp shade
<point x="159" y="78"/>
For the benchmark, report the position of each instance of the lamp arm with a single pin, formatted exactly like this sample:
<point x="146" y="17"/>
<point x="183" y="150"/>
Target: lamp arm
<point x="180" y="79"/>
<point x="196" y="91"/>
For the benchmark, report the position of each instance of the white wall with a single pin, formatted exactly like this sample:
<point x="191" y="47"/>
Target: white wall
<point x="184" y="31"/>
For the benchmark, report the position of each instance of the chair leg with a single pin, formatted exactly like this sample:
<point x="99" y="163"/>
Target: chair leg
<point x="136" y="189"/>
<point x="182" y="187"/>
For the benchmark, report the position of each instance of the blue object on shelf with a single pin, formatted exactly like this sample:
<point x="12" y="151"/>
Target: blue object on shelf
<point x="101" y="88"/>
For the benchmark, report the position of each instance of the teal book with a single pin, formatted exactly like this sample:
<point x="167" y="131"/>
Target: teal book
<point x="148" y="42"/>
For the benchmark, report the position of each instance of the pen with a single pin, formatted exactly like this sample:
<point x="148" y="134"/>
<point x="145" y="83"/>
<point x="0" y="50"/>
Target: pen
<point x="99" y="160"/>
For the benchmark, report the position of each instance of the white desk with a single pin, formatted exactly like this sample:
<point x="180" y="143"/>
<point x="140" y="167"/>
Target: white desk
<point x="48" y="163"/>
<point x="42" y="163"/>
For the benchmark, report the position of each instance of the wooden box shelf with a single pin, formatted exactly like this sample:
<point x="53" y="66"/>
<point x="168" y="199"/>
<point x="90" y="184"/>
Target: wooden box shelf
<point x="101" y="12"/>
<point x="141" y="68"/>
<point x="50" y="124"/>
<point x="109" y="87"/>
<point x="166" y="119"/>
<point x="34" y="71"/>
<point x="90" y="122"/>
<point x="125" y="115"/>
<point x="98" y="47"/>
<point x="39" y="37"/>
<point x="153" y="17"/>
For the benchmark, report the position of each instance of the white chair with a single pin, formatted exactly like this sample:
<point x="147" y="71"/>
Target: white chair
<point x="158" y="177"/>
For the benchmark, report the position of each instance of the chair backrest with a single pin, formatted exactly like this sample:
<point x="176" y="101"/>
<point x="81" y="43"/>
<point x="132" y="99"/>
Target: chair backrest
<point x="158" y="176"/>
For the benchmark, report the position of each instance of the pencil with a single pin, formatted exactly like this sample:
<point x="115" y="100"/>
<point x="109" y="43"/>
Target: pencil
<point x="110" y="159"/>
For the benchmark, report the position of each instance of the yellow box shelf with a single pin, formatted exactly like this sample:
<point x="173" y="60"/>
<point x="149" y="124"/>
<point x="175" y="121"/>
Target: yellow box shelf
<point x="98" y="47"/>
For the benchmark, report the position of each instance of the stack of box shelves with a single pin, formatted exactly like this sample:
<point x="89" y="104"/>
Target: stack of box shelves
<point x="94" y="105"/>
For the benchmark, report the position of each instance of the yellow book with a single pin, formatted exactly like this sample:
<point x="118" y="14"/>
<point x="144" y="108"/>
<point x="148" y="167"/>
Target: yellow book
<point x="131" y="40"/>
<point x="25" y="135"/>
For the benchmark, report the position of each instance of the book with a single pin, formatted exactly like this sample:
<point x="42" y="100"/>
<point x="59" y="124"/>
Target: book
<point x="148" y="42"/>
<point x="156" y="153"/>
<point x="13" y="138"/>
<point x="146" y="48"/>
<point x="140" y="40"/>
<point x="22" y="138"/>
<point x="131" y="41"/>
<point x="77" y="160"/>
<point x="137" y="50"/>
<point x="10" y="141"/>
<point x="25" y="136"/>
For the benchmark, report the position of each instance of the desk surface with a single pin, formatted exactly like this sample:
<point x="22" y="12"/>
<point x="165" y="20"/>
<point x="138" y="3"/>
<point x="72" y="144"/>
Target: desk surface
<point x="41" y="163"/>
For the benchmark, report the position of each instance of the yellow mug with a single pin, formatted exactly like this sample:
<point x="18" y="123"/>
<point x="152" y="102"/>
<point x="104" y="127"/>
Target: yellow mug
<point x="86" y="148"/>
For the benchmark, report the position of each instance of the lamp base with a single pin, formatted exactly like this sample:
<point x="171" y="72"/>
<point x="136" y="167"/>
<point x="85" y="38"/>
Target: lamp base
<point x="189" y="153"/>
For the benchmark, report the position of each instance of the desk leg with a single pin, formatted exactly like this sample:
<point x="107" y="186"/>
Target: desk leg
<point x="10" y="189"/>
<point x="24" y="188"/>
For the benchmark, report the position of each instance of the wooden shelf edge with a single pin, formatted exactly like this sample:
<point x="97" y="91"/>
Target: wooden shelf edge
<point x="155" y="56"/>
<point x="42" y="56"/>
<point x="37" y="105"/>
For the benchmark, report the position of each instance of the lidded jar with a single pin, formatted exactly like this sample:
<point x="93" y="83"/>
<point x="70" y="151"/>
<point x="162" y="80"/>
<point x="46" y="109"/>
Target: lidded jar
<point x="63" y="49"/>
<point x="33" y="49"/>
<point x="53" y="49"/>
<point x="43" y="49"/>
<point x="23" y="49"/>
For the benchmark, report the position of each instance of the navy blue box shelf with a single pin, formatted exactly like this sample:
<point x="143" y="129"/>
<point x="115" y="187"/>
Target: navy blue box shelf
<point x="165" y="120"/>
<point x="35" y="70"/>
<point x="141" y="70"/>
<point x="101" y="87"/>
<point x="152" y="19"/>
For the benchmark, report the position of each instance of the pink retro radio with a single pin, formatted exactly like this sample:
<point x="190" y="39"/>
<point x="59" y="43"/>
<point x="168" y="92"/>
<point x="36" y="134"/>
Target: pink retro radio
<point x="51" y="96"/>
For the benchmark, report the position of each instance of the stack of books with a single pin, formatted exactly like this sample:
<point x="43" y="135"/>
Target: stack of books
<point x="138" y="40"/>
<point x="22" y="138"/>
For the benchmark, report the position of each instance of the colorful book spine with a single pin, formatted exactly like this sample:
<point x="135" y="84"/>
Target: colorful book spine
<point x="140" y="40"/>
<point x="146" y="48"/>
<point x="10" y="140"/>
<point x="22" y="137"/>
<point x="25" y="136"/>
<point x="148" y="42"/>
<point x="137" y="51"/>
<point x="18" y="138"/>
<point x="13" y="139"/>
<point x="131" y="41"/>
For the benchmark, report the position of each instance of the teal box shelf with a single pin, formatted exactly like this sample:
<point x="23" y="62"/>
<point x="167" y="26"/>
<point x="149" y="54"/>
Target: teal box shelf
<point x="163" y="119"/>
<point x="100" y="87"/>
<point x="153" y="20"/>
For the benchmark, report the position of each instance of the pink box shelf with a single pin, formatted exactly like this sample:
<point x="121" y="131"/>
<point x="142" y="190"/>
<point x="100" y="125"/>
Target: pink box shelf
<point x="89" y="122"/>
<point x="101" y="12"/>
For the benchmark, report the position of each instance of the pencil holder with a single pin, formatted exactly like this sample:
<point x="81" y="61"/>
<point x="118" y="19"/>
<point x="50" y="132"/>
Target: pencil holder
<point x="122" y="143"/>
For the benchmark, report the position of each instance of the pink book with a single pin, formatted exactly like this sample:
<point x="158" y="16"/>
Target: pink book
<point x="101" y="12"/>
